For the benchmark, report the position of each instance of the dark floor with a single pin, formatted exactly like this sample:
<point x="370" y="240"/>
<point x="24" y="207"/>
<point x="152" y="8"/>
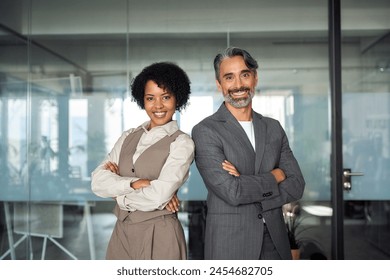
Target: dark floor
<point x="315" y="239"/>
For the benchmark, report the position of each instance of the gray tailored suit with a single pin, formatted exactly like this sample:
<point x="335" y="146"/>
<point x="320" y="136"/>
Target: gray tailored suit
<point x="238" y="206"/>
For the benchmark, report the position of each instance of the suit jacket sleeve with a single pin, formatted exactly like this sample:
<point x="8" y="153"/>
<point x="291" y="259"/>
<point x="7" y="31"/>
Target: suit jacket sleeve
<point x="291" y="189"/>
<point x="245" y="189"/>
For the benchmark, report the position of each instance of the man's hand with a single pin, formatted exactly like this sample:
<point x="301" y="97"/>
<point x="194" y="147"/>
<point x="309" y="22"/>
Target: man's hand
<point x="279" y="175"/>
<point x="226" y="165"/>
<point x="173" y="205"/>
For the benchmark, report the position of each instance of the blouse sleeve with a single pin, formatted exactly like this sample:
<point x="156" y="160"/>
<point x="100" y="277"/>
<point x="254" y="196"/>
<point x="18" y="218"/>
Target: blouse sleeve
<point x="172" y="176"/>
<point x="105" y="183"/>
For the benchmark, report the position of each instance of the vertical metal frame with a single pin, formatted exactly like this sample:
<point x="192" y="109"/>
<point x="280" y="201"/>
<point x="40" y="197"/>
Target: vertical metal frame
<point x="334" y="30"/>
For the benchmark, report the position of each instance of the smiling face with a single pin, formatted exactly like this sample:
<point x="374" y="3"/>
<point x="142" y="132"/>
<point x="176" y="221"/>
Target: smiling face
<point x="160" y="105"/>
<point x="237" y="82"/>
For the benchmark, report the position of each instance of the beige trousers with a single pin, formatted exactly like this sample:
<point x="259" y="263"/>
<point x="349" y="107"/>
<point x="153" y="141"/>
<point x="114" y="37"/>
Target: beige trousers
<point x="159" y="238"/>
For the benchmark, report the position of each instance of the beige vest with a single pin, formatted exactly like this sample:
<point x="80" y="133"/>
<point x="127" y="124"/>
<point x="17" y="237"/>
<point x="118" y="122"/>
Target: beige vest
<point x="147" y="166"/>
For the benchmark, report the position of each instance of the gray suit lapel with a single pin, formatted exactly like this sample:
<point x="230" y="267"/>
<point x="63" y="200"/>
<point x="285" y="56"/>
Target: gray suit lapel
<point x="231" y="124"/>
<point x="260" y="139"/>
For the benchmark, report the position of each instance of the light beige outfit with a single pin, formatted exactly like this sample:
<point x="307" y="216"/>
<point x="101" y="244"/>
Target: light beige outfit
<point x="151" y="232"/>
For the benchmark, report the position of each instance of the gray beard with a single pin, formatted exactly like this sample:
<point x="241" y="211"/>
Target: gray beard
<point x="239" y="102"/>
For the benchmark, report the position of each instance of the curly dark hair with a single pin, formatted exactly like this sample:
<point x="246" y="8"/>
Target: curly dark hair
<point x="167" y="76"/>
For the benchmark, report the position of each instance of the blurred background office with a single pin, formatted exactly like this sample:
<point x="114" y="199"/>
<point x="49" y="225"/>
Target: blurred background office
<point x="65" y="70"/>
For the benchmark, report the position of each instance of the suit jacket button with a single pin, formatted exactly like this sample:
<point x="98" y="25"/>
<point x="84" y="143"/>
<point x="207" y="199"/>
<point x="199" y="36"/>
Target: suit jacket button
<point x="132" y="170"/>
<point x="260" y="216"/>
<point x="267" y="194"/>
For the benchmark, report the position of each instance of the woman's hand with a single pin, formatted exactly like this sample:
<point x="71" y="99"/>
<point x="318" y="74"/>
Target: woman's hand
<point x="141" y="183"/>
<point x="112" y="166"/>
<point x="226" y="165"/>
<point x="173" y="205"/>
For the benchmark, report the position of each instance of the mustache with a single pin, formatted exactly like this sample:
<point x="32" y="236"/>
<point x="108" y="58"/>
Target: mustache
<point x="234" y="90"/>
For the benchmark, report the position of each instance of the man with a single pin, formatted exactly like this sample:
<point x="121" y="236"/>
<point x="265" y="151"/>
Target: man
<point x="248" y="168"/>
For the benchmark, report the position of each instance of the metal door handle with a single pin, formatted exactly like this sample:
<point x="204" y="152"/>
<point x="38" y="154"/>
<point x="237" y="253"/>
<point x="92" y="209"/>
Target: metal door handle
<point x="347" y="182"/>
<point x="348" y="173"/>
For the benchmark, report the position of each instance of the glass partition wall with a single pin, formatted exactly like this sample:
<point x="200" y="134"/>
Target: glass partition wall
<point x="65" y="70"/>
<point x="366" y="124"/>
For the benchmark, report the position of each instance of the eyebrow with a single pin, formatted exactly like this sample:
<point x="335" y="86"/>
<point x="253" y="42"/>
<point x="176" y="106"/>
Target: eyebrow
<point x="163" y="94"/>
<point x="227" y="74"/>
<point x="246" y="71"/>
<point x="242" y="71"/>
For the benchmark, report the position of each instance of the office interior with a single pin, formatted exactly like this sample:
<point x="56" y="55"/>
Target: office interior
<point x="65" y="70"/>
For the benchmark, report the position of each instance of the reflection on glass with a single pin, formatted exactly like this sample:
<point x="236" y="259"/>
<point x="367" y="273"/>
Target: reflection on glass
<point x="64" y="101"/>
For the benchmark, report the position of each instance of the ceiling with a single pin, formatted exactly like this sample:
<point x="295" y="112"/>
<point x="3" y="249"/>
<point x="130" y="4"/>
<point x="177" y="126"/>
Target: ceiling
<point x="95" y="36"/>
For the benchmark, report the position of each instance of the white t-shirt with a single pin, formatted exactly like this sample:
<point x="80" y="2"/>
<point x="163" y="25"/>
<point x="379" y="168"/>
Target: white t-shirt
<point x="248" y="127"/>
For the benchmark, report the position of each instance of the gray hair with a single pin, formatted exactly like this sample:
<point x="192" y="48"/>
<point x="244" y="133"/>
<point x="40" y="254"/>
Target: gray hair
<point x="230" y="52"/>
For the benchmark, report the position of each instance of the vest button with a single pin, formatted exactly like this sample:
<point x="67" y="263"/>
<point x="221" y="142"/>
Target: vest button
<point x="260" y="216"/>
<point x="132" y="170"/>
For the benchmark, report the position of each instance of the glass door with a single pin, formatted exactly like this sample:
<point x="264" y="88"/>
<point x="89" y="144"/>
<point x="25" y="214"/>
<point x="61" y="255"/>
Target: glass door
<point x="366" y="128"/>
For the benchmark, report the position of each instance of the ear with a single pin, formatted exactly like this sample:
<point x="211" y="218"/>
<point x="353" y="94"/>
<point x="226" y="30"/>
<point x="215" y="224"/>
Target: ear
<point x="218" y="85"/>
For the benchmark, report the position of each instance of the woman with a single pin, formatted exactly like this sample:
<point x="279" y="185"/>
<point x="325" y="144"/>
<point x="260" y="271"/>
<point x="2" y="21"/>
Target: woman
<point x="146" y="167"/>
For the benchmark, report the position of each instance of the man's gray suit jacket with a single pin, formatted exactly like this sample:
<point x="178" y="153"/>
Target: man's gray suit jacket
<point x="238" y="206"/>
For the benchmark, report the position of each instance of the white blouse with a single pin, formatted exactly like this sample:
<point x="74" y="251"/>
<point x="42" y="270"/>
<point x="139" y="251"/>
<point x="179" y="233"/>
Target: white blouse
<point x="174" y="173"/>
